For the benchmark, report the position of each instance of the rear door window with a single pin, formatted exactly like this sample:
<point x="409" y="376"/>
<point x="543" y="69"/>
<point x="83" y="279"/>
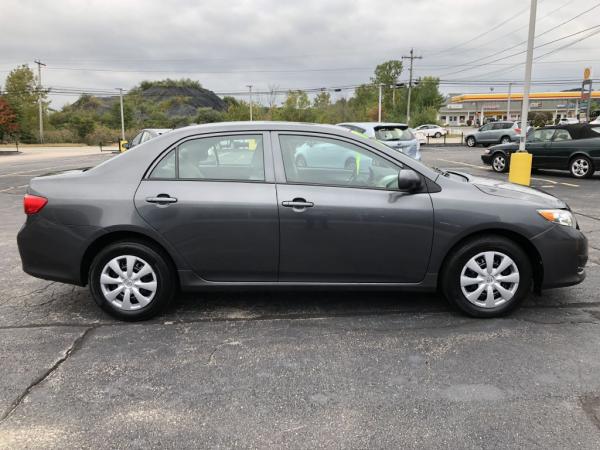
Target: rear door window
<point x="236" y="158"/>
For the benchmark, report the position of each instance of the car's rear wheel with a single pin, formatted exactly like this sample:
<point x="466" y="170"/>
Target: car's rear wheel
<point x="131" y="280"/>
<point x="581" y="167"/>
<point x="487" y="277"/>
<point x="471" y="141"/>
<point x="437" y="135"/>
<point x="505" y="140"/>
<point x="499" y="163"/>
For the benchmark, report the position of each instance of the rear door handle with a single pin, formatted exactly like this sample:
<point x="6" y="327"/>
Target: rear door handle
<point x="161" y="199"/>
<point x="297" y="203"/>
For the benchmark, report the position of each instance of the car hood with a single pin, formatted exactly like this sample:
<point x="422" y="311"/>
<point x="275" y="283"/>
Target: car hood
<point x="515" y="191"/>
<point x="512" y="147"/>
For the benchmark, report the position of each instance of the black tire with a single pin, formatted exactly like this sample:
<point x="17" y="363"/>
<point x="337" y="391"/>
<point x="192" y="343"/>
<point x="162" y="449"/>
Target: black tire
<point x="581" y="167"/>
<point x="505" y="140"/>
<point x="163" y="275"/>
<point x="470" y="141"/>
<point x="437" y="135"/>
<point x="452" y="271"/>
<point x="499" y="162"/>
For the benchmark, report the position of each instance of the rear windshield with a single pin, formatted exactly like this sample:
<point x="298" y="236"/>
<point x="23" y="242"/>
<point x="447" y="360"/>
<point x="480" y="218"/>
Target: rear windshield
<point x="393" y="134"/>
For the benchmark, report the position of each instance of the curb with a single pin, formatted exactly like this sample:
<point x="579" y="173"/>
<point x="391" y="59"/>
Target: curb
<point x="9" y="152"/>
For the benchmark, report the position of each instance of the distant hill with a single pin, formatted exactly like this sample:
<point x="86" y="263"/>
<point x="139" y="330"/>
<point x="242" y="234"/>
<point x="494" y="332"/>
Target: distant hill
<point x="173" y="98"/>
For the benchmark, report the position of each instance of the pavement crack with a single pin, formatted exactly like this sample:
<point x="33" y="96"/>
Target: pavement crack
<point x="76" y="345"/>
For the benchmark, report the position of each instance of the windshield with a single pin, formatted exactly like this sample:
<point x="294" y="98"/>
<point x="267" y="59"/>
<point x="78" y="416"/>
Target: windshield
<point x="393" y="134"/>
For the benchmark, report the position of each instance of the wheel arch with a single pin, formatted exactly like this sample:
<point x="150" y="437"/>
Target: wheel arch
<point x="532" y="252"/>
<point x="121" y="235"/>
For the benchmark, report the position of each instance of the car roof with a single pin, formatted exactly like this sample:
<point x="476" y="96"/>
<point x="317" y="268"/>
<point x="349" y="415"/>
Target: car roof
<point x="576" y="130"/>
<point x="373" y="125"/>
<point x="158" y="130"/>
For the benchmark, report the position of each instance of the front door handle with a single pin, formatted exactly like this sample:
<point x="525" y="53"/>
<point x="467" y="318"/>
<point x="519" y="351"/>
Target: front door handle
<point x="297" y="203"/>
<point x="161" y="199"/>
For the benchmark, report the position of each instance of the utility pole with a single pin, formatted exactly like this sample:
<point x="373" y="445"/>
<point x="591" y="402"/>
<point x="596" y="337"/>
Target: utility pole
<point x="508" y="106"/>
<point x="249" y="86"/>
<point x="528" y="64"/>
<point x="40" y="106"/>
<point x="412" y="57"/>
<point x="379" y="104"/>
<point x="122" y="116"/>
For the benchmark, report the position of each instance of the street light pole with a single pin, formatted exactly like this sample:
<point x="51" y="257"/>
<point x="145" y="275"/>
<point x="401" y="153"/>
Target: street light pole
<point x="40" y="106"/>
<point x="508" y="106"/>
<point x="122" y="115"/>
<point x="528" y="64"/>
<point x="250" y="90"/>
<point x="379" y="104"/>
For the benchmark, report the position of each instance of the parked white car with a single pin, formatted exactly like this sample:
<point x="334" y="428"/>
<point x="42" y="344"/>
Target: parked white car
<point x="432" y="130"/>
<point x="421" y="137"/>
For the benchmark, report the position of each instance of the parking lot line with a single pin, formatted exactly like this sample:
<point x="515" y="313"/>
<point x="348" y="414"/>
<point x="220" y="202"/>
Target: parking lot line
<point x="462" y="163"/>
<point x="569" y="184"/>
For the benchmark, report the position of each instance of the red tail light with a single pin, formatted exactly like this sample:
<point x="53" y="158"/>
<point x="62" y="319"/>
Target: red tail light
<point x="33" y="204"/>
<point x="518" y="130"/>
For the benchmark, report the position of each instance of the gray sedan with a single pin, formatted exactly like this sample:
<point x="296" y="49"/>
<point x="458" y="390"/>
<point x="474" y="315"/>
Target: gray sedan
<point x="228" y="206"/>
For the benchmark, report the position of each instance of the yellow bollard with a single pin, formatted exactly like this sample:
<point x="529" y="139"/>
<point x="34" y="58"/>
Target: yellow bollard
<point x="122" y="146"/>
<point x="520" y="168"/>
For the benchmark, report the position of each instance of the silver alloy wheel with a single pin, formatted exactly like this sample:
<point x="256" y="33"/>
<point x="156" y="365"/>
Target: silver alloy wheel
<point x="470" y="142"/>
<point x="489" y="279"/>
<point x="580" y="167"/>
<point x="499" y="163"/>
<point x="128" y="282"/>
<point x="505" y="140"/>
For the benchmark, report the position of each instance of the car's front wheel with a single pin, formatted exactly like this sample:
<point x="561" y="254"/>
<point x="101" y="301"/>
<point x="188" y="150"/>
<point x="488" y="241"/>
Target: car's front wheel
<point x="437" y="135"/>
<point x="471" y="141"/>
<point x="581" y="167"/>
<point x="131" y="280"/>
<point x="487" y="276"/>
<point x="499" y="163"/>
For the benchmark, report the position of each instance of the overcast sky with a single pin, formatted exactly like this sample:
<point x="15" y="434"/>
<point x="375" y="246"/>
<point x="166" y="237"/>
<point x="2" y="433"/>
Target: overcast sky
<point x="227" y="45"/>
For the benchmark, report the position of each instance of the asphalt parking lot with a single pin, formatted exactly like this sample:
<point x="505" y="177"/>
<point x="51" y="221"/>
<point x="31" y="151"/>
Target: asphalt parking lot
<point x="298" y="369"/>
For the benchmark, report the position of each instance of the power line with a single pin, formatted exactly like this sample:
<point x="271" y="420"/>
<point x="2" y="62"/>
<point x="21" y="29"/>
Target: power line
<point x="523" y="51"/>
<point x="525" y="41"/>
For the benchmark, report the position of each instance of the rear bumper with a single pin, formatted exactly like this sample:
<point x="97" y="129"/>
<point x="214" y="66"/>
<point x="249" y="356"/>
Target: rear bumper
<point x="564" y="254"/>
<point x="51" y="251"/>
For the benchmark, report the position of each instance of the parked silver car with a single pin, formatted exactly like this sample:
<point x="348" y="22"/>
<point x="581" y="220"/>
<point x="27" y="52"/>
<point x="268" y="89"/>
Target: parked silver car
<point x="146" y="134"/>
<point x="494" y="133"/>
<point x="395" y="135"/>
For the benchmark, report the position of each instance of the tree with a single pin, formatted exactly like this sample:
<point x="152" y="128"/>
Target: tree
<point x="208" y="115"/>
<point x="22" y="96"/>
<point x="8" y="119"/>
<point x="388" y="74"/>
<point x="296" y="108"/>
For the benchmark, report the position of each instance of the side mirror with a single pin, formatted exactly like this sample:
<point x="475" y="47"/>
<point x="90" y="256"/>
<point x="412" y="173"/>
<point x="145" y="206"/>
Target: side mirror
<point x="409" y="180"/>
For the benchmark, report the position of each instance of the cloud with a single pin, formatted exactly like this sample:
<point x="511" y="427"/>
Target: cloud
<point x="275" y="42"/>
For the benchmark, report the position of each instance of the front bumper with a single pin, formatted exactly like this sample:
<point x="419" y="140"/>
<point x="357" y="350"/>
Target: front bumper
<point x="487" y="159"/>
<point x="564" y="254"/>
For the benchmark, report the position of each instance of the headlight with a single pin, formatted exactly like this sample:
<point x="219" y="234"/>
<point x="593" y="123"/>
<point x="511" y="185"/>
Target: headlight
<point x="560" y="216"/>
<point x="487" y="150"/>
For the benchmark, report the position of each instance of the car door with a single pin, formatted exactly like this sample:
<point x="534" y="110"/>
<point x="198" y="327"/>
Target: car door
<point x="214" y="199"/>
<point x="560" y="149"/>
<point x="538" y="144"/>
<point x="484" y="134"/>
<point x="345" y="225"/>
